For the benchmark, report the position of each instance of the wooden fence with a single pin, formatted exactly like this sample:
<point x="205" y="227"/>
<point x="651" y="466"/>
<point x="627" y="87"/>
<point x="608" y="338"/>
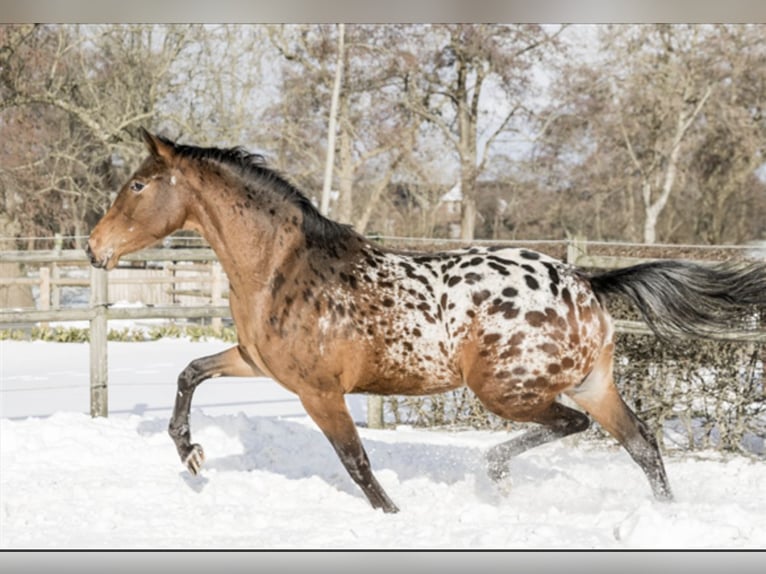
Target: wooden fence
<point x="103" y="289"/>
<point x="99" y="312"/>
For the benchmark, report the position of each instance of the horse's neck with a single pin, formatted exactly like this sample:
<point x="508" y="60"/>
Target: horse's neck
<point x="250" y="242"/>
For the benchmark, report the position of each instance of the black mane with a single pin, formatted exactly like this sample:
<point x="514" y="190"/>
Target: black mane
<point x="319" y="230"/>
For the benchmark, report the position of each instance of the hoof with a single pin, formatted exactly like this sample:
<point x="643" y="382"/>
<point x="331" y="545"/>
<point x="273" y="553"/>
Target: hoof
<point x="390" y="508"/>
<point x="497" y="468"/>
<point x="194" y="459"/>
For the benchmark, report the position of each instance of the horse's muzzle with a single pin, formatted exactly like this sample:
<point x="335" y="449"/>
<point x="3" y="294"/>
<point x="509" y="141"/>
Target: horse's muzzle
<point x="95" y="260"/>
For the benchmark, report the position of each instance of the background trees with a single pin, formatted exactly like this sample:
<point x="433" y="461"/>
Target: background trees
<point x="647" y="130"/>
<point x="635" y="132"/>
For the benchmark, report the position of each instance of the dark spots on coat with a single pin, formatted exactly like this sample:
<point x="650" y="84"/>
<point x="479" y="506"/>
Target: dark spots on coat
<point x="531" y="255"/>
<point x="510" y="292"/>
<point x="510" y="353"/>
<point x="424" y="306"/>
<point x="549" y="348"/>
<point x="388" y="302"/>
<point x="507" y="308"/>
<point x="443" y="301"/>
<point x="517" y="338"/>
<point x="531" y="282"/>
<point x="417" y="332"/>
<point x="473" y="250"/>
<point x="443" y="349"/>
<point x="447" y="266"/>
<point x="535" y="318"/>
<point x="567" y="362"/>
<point x="554" y="289"/>
<point x="499" y="268"/>
<point x="409" y="270"/>
<point x="308" y="294"/>
<point x="386" y="284"/>
<point x="407" y="346"/>
<point x="491" y="338"/>
<point x="519" y="371"/>
<point x="472" y="262"/>
<point x="552" y="273"/>
<point x="502" y="375"/>
<point x="528" y="268"/>
<point x="341" y="310"/>
<point x="348" y="279"/>
<point x="567" y="297"/>
<point x="471" y="278"/>
<point x="371" y="262"/>
<point x="480" y="296"/>
<point x="471" y="313"/>
<point x="554" y="368"/>
<point x="501" y="260"/>
<point x="454" y="280"/>
<point x="277" y="283"/>
<point x="537" y="382"/>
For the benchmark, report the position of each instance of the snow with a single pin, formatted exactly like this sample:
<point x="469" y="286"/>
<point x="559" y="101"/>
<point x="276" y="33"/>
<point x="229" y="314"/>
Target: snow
<point x="271" y="479"/>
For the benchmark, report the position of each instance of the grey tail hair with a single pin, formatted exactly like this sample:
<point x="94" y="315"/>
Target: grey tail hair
<point x="679" y="298"/>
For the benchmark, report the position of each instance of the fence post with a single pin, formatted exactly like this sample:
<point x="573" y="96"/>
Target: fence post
<point x="216" y="292"/>
<point x="45" y="292"/>
<point x="374" y="411"/>
<point x="576" y="247"/>
<point x="99" y="406"/>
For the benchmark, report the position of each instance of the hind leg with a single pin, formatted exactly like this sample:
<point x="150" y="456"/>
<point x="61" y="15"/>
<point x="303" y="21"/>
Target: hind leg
<point x="557" y="421"/>
<point x="598" y="395"/>
<point x="229" y="363"/>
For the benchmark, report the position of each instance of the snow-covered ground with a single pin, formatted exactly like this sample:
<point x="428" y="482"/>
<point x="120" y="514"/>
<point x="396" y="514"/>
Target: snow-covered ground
<point x="272" y="480"/>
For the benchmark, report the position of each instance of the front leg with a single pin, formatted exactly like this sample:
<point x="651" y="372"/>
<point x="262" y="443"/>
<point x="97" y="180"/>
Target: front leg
<point x="329" y="412"/>
<point x="229" y="363"/>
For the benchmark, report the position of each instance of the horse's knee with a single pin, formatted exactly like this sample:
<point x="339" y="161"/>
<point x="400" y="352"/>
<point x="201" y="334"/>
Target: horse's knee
<point x="577" y="422"/>
<point x="177" y="431"/>
<point x="190" y="377"/>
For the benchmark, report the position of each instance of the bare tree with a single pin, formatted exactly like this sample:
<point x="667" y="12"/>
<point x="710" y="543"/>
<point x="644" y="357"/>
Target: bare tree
<point x="455" y="69"/>
<point x="374" y="131"/>
<point x="657" y="136"/>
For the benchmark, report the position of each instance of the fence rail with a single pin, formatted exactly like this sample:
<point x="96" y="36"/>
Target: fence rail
<point x="99" y="312"/>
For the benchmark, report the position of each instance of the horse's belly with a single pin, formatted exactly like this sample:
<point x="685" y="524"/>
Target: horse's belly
<point x="413" y="367"/>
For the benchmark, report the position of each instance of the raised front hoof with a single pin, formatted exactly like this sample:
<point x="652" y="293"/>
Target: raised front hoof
<point x="194" y="459"/>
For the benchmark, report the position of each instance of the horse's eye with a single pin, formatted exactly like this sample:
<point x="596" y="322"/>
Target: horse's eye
<point x="137" y="186"/>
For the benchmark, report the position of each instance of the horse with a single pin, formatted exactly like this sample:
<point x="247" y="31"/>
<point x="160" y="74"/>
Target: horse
<point x="324" y="311"/>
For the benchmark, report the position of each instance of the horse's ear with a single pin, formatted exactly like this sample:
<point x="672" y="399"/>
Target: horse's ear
<point x="156" y="146"/>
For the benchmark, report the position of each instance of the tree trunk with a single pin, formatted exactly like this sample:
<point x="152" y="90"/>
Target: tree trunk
<point x="330" y="161"/>
<point x="344" y="211"/>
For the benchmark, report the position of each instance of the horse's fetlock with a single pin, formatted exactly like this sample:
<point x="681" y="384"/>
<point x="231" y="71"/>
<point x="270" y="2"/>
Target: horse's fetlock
<point x="178" y="431"/>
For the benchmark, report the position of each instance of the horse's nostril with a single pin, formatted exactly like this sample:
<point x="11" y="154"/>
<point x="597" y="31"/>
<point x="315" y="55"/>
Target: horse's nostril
<point x="89" y="253"/>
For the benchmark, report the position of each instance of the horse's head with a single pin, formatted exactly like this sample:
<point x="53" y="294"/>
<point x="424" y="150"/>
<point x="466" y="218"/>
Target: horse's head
<point x="150" y="206"/>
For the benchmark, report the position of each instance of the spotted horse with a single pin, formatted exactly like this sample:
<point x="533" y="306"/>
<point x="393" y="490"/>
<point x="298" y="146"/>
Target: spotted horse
<point x="325" y="312"/>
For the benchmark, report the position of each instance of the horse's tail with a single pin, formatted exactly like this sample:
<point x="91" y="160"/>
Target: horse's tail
<point x="689" y="299"/>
